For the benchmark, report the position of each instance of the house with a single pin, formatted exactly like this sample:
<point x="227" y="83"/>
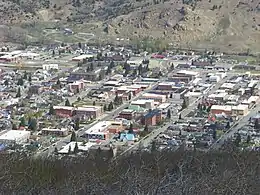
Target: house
<point x="125" y="137"/>
<point x="152" y="118"/>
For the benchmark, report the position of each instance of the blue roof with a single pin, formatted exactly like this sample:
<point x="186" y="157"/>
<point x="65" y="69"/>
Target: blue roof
<point x="152" y="113"/>
<point x="127" y="136"/>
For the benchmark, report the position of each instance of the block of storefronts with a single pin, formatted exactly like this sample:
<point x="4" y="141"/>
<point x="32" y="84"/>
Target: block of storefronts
<point x="240" y="110"/>
<point x="155" y="97"/>
<point x="219" y="109"/>
<point x="56" y="132"/>
<point x="68" y="111"/>
<point x="127" y="114"/>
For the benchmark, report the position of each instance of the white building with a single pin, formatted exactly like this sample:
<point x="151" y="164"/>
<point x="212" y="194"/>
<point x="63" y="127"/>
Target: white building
<point x="15" y="136"/>
<point x="148" y="104"/>
<point x="50" y="66"/>
<point x="82" y="147"/>
<point x="98" y="131"/>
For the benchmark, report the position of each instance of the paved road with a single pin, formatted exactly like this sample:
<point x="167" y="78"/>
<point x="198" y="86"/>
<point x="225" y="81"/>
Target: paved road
<point x="234" y="129"/>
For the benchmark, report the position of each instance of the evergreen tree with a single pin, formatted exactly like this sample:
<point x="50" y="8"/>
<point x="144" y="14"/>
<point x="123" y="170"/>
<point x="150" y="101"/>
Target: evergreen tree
<point x="18" y="94"/>
<point x="184" y="104"/>
<point x="14" y="127"/>
<point x="131" y="129"/>
<point x="228" y="125"/>
<point x="129" y="96"/>
<point x="79" y="45"/>
<point x="6" y="83"/>
<point x="53" y="53"/>
<point x="153" y="147"/>
<point x="51" y="110"/>
<point x="77" y="124"/>
<point x="73" y="137"/>
<point x="25" y="75"/>
<point x="30" y="78"/>
<point x="58" y="82"/>
<point x="56" y="150"/>
<point x="146" y="129"/>
<point x="22" y="122"/>
<point x="33" y="124"/>
<point x="238" y="140"/>
<point x="20" y="82"/>
<point x="256" y="125"/>
<point x="179" y="116"/>
<point x="248" y="139"/>
<point x="105" y="107"/>
<point x="214" y="134"/>
<point x="69" y="150"/>
<point x="140" y="69"/>
<point x="67" y="102"/>
<point x="110" y="106"/>
<point x="94" y="103"/>
<point x="91" y="66"/>
<point x="199" y="106"/>
<point x="76" y="148"/>
<point x="168" y="113"/>
<point x="171" y="95"/>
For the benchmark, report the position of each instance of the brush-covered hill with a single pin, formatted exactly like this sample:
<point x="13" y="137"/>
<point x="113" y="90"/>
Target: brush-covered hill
<point x="225" y="24"/>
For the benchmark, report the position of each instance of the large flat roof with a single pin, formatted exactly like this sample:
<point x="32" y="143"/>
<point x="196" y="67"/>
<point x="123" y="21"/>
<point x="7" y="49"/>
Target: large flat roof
<point x="99" y="127"/>
<point x="14" y="134"/>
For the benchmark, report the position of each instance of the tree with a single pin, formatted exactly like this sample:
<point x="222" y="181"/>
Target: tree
<point x="117" y="100"/>
<point x="76" y="148"/>
<point x="20" y="82"/>
<point x="51" y="110"/>
<point x="77" y="124"/>
<point x="33" y="124"/>
<point x="58" y="82"/>
<point x="91" y="66"/>
<point x="199" y="106"/>
<point x="78" y="99"/>
<point x="110" y="106"/>
<point x="146" y="129"/>
<point x="14" y="127"/>
<point x="73" y="137"/>
<point x="131" y="130"/>
<point x="69" y="150"/>
<point x="79" y="45"/>
<point x="56" y="150"/>
<point x="140" y="69"/>
<point x="171" y="95"/>
<point x="6" y="83"/>
<point x="256" y="125"/>
<point x="18" y="94"/>
<point x="238" y="140"/>
<point x="129" y="96"/>
<point x="153" y="147"/>
<point x="228" y="125"/>
<point x="105" y="107"/>
<point x="53" y="53"/>
<point x="184" y="104"/>
<point x="30" y="78"/>
<point x="214" y="135"/>
<point x="67" y="102"/>
<point x="168" y="113"/>
<point x="25" y="75"/>
<point x="22" y="122"/>
<point x="248" y="139"/>
<point x="94" y="103"/>
<point x="180" y="117"/>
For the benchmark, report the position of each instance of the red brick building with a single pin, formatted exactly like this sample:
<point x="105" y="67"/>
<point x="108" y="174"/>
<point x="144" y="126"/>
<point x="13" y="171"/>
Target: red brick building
<point x="152" y="118"/>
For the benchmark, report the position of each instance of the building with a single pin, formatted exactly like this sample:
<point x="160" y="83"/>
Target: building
<point x="15" y="137"/>
<point x="240" y="110"/>
<point x="82" y="57"/>
<point x="82" y="147"/>
<point x="148" y="104"/>
<point x="152" y="118"/>
<point x="165" y="86"/>
<point x="98" y="132"/>
<point x="50" y="66"/>
<point x="88" y="111"/>
<point x="127" y="114"/>
<point x="76" y="86"/>
<point x="56" y="132"/>
<point x="219" y="109"/>
<point x="115" y="127"/>
<point x="155" y="97"/>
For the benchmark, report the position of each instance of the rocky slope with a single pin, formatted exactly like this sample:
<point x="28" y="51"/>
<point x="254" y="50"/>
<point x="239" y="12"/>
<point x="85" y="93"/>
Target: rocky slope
<point x="233" y="24"/>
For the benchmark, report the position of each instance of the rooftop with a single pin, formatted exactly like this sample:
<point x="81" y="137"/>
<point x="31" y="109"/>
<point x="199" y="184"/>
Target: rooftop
<point x="14" y="134"/>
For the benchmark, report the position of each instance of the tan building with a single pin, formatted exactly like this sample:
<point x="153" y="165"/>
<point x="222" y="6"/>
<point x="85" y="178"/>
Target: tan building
<point x="240" y="110"/>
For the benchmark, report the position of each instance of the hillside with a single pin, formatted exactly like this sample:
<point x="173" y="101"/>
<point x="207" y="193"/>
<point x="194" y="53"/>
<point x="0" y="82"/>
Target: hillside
<point x="231" y="25"/>
<point x="168" y="173"/>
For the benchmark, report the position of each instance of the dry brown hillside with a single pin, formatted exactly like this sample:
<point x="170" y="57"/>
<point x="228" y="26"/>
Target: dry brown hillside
<point x="225" y="24"/>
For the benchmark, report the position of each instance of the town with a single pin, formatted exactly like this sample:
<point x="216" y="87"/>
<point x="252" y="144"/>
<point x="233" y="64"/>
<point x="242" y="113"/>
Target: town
<point x="77" y="99"/>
